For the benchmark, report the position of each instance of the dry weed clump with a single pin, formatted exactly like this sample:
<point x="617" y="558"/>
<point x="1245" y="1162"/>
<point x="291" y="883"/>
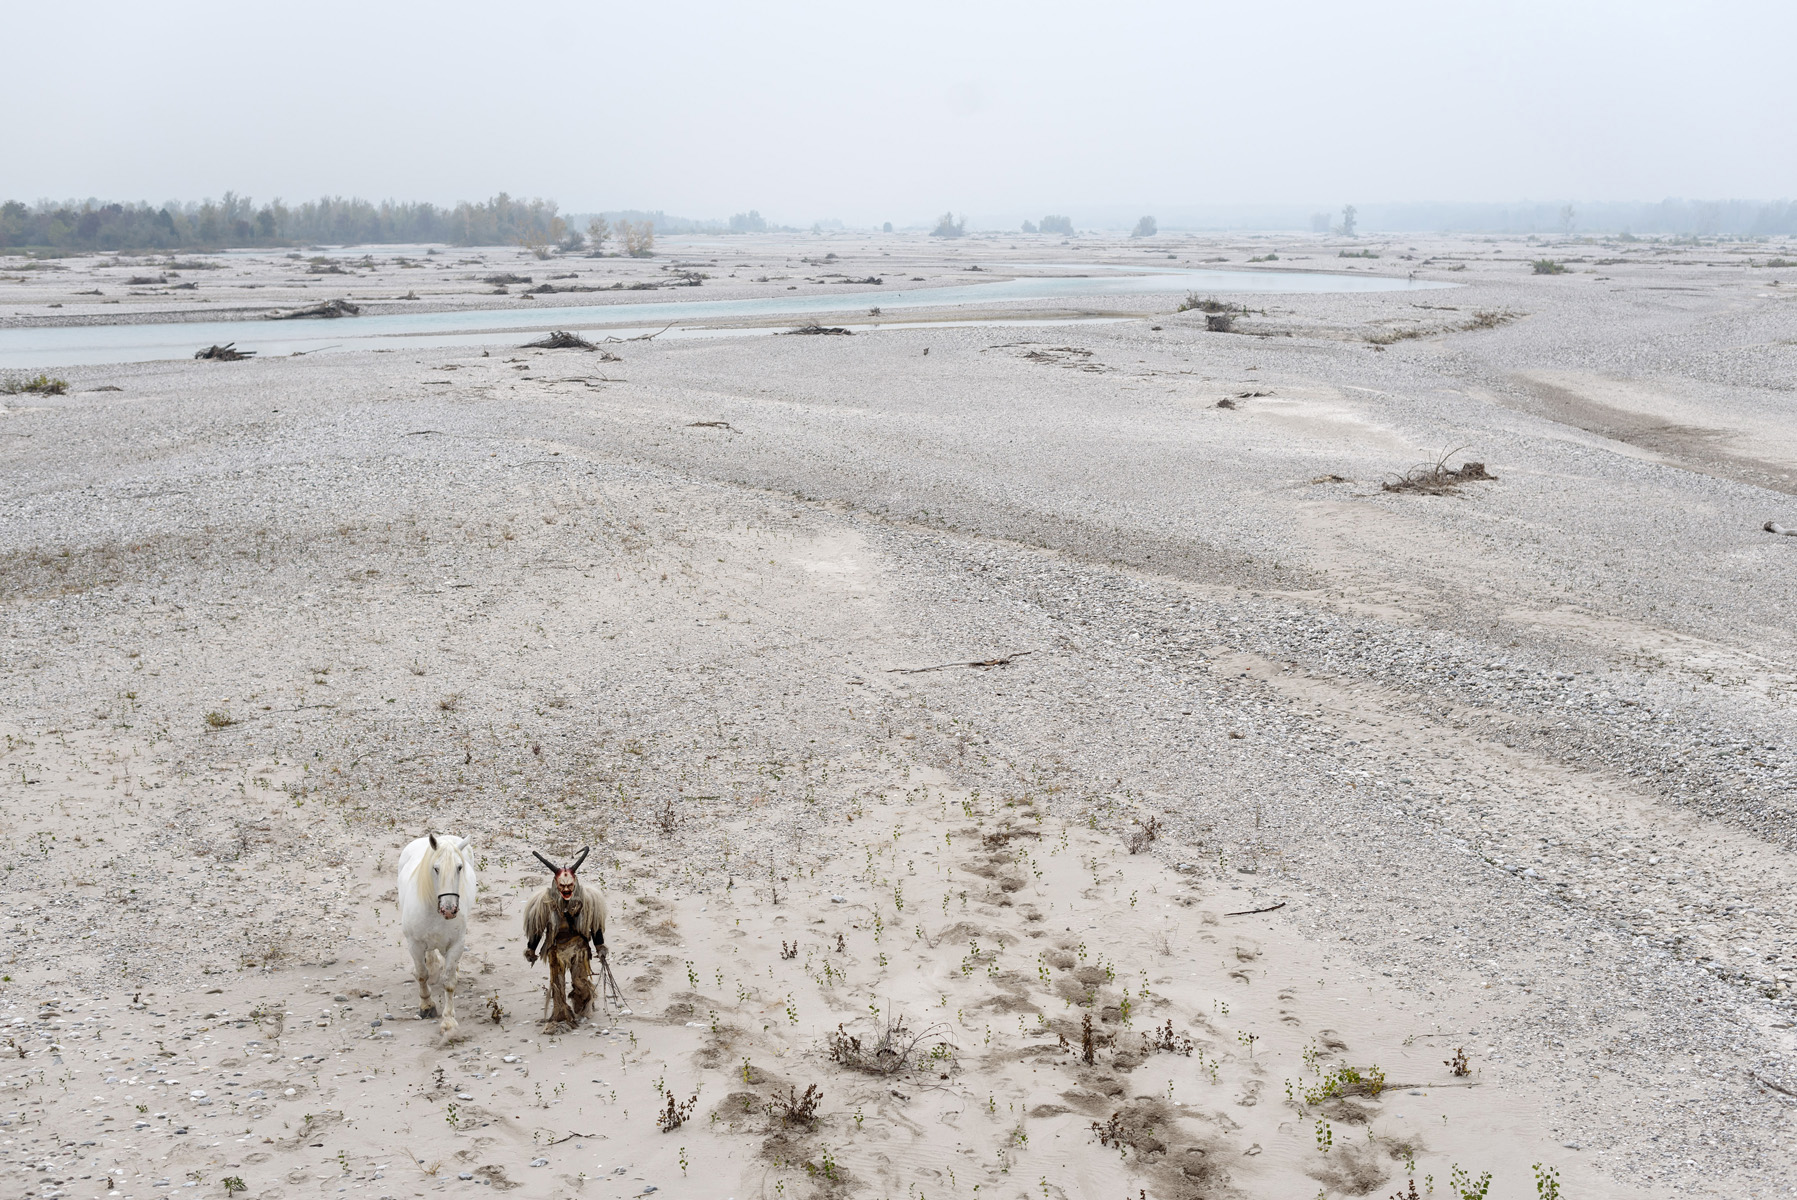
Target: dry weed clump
<point x="1482" y="319"/>
<point x="794" y="1109"/>
<point x="1209" y="304"/>
<point x="894" y="1051"/>
<point x="676" y="1113"/>
<point x="563" y="340"/>
<point x="1437" y="478"/>
<point x="1145" y="834"/>
<point x="1165" y="1038"/>
<point x="816" y="330"/>
<point x="1488" y="318"/>
<point x="1088" y="1041"/>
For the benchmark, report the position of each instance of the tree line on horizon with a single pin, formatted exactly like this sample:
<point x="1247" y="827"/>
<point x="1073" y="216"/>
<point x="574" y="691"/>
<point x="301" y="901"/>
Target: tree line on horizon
<point x="237" y="221"/>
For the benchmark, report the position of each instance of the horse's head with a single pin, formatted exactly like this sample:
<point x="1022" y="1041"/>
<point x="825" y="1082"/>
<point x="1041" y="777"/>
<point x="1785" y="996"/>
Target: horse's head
<point x="567" y="879"/>
<point x="449" y="873"/>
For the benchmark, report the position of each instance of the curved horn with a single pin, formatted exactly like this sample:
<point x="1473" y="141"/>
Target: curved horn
<point x="553" y="869"/>
<point x="575" y="866"/>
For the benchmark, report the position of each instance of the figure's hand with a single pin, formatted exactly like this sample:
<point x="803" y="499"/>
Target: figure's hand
<point x="530" y="956"/>
<point x="604" y="953"/>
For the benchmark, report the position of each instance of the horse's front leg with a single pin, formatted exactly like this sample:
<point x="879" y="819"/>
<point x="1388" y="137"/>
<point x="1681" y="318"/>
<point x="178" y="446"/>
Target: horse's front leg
<point x="421" y="969"/>
<point x="451" y="957"/>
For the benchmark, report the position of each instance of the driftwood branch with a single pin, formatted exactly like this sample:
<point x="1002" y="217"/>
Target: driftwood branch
<point x="1775" y="1086"/>
<point x="225" y="353"/>
<point x="981" y="663"/>
<point x="643" y="337"/>
<point x="1775" y="527"/>
<point x="1248" y="912"/>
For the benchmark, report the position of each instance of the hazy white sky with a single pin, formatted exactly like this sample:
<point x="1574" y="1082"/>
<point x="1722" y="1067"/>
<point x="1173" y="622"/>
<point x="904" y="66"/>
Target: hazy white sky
<point x="896" y="111"/>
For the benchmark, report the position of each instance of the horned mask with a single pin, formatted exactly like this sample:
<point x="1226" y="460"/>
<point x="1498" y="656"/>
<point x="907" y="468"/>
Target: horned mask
<point x="566" y="878"/>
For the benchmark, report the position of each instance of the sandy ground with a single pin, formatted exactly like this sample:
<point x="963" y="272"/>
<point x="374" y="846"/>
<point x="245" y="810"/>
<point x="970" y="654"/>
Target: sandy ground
<point x="1515" y="764"/>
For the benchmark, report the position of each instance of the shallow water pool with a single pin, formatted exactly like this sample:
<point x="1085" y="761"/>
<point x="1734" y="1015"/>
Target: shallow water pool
<point x="87" y="345"/>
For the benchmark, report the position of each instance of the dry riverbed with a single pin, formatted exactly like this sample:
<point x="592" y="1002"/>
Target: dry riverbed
<point x="984" y="693"/>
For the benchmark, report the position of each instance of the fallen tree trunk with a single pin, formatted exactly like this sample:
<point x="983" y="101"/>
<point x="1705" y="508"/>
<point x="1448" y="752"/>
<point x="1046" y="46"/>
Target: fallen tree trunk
<point x="329" y="309"/>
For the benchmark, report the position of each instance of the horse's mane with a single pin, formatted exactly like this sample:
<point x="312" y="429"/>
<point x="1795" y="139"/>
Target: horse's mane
<point x="448" y="847"/>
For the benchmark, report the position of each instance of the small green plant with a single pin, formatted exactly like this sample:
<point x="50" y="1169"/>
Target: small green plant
<point x="1345" y="1081"/>
<point x="1325" y="1136"/>
<point x="683" y="1163"/>
<point x="1547" y="1183"/>
<point x="218" y="719"/>
<point x="234" y="1184"/>
<point x="1466" y="1187"/>
<point x="43" y="385"/>
<point x="692" y="976"/>
<point x="1547" y="266"/>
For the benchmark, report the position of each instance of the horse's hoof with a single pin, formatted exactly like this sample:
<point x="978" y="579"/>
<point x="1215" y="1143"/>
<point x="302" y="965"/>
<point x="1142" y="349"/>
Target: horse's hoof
<point x="427" y="1012"/>
<point x="448" y="1026"/>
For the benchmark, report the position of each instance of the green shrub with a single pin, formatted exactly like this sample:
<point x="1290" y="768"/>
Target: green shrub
<point x="43" y="385"/>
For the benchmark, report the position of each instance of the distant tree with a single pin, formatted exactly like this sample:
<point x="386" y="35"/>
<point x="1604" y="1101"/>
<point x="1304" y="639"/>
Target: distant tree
<point x="598" y="229"/>
<point x="749" y="222"/>
<point x="1145" y="228"/>
<point x="1319" y="222"/>
<point x="1060" y="225"/>
<point x="1567" y="220"/>
<point x="886" y="228"/>
<point x="1348" y="214"/>
<point x="948" y="227"/>
<point x="1029" y="227"/>
<point x="637" y="237"/>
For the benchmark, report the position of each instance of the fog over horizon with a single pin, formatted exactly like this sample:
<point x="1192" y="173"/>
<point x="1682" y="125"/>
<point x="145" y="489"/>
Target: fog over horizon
<point x="810" y="112"/>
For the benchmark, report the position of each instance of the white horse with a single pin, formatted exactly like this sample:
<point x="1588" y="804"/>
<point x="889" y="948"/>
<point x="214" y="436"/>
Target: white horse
<point x="437" y="887"/>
